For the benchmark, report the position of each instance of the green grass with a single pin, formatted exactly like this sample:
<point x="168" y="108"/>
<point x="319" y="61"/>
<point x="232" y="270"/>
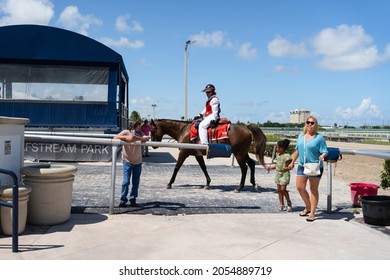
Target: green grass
<point x="377" y="142"/>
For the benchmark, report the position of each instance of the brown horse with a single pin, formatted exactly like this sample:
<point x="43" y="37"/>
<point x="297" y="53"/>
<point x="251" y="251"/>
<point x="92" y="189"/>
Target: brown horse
<point x="242" y="138"/>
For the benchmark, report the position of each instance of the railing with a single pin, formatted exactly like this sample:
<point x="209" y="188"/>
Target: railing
<point x="380" y="134"/>
<point x="15" y="208"/>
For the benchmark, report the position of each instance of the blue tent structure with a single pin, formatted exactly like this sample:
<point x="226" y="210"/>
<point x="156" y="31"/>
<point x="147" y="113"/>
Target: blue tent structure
<point x="59" y="78"/>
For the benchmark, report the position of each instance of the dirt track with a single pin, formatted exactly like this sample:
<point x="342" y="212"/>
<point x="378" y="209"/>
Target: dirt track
<point x="357" y="168"/>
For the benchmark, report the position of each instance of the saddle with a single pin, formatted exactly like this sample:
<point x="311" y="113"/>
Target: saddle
<point x="217" y="130"/>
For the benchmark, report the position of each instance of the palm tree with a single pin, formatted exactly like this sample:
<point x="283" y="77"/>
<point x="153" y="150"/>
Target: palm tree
<point x="135" y="116"/>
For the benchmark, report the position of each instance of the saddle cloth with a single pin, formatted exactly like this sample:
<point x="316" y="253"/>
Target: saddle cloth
<point x="213" y="133"/>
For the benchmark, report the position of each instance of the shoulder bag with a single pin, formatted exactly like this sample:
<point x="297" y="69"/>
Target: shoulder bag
<point x="310" y="168"/>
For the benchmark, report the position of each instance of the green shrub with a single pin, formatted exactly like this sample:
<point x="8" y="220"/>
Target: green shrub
<point x="385" y="175"/>
<point x="272" y="138"/>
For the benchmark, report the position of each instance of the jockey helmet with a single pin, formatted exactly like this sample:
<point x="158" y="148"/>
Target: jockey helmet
<point x="209" y="88"/>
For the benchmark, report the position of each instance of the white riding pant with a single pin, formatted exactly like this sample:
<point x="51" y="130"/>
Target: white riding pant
<point x="203" y="129"/>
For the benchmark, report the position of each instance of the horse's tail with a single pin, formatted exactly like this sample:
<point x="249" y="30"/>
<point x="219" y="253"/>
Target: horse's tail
<point x="259" y="143"/>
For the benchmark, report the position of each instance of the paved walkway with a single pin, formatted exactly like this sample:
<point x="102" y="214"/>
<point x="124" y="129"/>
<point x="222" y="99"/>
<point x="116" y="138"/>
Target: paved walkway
<point x="190" y="223"/>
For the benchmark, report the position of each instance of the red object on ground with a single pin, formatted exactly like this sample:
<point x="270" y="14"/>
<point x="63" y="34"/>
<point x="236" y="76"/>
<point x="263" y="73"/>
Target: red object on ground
<point x="361" y="189"/>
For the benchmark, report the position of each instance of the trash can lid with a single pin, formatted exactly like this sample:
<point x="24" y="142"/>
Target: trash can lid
<point x="47" y="169"/>
<point x="6" y="191"/>
<point x="15" y="121"/>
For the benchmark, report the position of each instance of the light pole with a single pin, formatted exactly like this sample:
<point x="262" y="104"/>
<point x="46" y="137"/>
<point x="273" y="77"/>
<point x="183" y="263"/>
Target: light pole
<point x="154" y="110"/>
<point x="187" y="43"/>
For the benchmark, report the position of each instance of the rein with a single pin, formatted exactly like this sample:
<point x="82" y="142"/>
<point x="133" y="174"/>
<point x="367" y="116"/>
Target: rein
<point x="176" y="132"/>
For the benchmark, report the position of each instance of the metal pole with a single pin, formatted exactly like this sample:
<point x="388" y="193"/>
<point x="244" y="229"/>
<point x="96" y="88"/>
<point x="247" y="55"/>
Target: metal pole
<point x="185" y="81"/>
<point x="186" y="78"/>
<point x="113" y="175"/>
<point x="329" y="188"/>
<point x="15" y="209"/>
<point x="15" y="216"/>
<point x="154" y="111"/>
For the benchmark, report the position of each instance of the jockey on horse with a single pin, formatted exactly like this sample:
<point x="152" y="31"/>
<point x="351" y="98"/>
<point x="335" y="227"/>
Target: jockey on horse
<point x="209" y="114"/>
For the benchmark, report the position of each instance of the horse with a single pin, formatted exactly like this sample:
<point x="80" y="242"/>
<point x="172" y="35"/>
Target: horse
<point x="242" y="139"/>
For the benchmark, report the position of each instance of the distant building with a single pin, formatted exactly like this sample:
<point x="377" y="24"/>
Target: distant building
<point x="299" y="116"/>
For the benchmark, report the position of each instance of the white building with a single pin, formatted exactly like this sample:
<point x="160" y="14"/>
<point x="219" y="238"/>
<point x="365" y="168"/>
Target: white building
<point x="299" y="116"/>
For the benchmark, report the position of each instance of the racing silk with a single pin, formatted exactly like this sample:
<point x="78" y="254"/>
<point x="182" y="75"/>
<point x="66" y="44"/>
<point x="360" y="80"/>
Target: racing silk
<point x="212" y="107"/>
<point x="210" y="113"/>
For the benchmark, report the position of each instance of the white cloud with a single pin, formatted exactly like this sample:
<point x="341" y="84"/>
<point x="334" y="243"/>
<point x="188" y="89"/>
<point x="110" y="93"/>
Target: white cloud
<point x="281" y="47"/>
<point x="364" y="110"/>
<point x="347" y="48"/>
<point x="246" y="51"/>
<point x="71" y="18"/>
<point x="143" y="63"/>
<point x="344" y="39"/>
<point x="209" y="40"/>
<point x="283" y="69"/>
<point x="122" y="24"/>
<point x="229" y="44"/>
<point x="387" y="52"/>
<point x="361" y="59"/>
<point x="26" y="12"/>
<point x="122" y="42"/>
<point x="279" y="68"/>
<point x="219" y="39"/>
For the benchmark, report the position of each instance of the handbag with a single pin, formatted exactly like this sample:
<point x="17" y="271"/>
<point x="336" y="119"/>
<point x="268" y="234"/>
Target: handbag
<point x="310" y="168"/>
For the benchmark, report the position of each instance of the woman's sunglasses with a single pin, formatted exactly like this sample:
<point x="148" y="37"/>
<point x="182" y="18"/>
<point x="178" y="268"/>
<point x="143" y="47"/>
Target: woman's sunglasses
<point x="308" y="122"/>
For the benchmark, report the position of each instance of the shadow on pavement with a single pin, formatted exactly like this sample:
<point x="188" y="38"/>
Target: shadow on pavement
<point x="64" y="227"/>
<point x="173" y="208"/>
<point x="30" y="247"/>
<point x="35" y="230"/>
<point x="159" y="157"/>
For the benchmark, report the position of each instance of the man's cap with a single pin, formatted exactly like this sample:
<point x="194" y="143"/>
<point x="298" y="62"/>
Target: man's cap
<point x="209" y="87"/>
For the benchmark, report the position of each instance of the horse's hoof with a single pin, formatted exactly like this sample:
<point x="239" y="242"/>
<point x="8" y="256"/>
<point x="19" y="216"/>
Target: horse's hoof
<point x="207" y="187"/>
<point x="169" y="187"/>
<point x="236" y="190"/>
<point x="256" y="186"/>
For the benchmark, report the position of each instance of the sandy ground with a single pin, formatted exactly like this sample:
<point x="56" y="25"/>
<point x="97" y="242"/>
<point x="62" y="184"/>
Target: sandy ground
<point x="357" y="168"/>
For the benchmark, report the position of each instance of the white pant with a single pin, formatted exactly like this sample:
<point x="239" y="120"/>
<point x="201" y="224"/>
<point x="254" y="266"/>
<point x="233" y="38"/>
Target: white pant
<point x="203" y="129"/>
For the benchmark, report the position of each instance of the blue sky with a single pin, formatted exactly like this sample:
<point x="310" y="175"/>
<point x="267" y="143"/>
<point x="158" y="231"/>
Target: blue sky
<point x="265" y="57"/>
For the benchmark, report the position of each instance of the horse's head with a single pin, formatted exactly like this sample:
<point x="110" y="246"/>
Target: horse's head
<point x="174" y="128"/>
<point x="156" y="133"/>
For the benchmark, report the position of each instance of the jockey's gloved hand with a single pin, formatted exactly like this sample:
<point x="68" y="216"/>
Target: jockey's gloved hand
<point x="198" y="117"/>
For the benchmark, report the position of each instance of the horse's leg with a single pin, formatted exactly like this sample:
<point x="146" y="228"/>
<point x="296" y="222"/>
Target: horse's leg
<point x="244" y="169"/>
<point x="180" y="160"/>
<point x="202" y="165"/>
<point x="251" y="163"/>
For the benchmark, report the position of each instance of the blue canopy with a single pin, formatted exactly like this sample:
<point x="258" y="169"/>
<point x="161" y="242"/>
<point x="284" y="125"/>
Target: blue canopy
<point x="35" y="56"/>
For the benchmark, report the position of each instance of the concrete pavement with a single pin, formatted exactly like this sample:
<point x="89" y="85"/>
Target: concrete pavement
<point x="284" y="236"/>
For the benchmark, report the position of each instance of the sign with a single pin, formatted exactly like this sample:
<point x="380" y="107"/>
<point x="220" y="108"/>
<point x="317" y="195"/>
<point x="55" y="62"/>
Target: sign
<point x="7" y="147"/>
<point x="48" y="151"/>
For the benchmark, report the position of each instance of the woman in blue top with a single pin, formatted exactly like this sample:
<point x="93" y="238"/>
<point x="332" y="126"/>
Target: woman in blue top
<point x="310" y="147"/>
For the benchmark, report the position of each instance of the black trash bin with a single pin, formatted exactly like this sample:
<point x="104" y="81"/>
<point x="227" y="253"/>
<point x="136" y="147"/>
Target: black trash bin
<point x="376" y="209"/>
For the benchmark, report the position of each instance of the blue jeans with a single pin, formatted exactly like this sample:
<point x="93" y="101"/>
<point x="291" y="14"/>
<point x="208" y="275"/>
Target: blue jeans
<point x="128" y="171"/>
